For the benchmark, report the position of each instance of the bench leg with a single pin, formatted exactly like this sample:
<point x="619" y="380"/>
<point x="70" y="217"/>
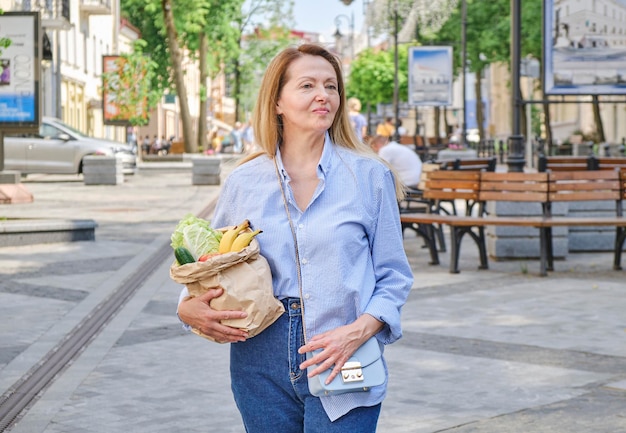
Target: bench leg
<point x="479" y="239"/>
<point x="456" y="237"/>
<point x="441" y="239"/>
<point x="455" y="243"/>
<point x="426" y="231"/>
<point x="543" y="251"/>
<point x="620" y="237"/>
<point x="549" y="250"/>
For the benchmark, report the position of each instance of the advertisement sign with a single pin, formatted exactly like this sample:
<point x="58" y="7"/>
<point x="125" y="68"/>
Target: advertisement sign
<point x="19" y="71"/>
<point x="584" y="47"/>
<point x="124" y="88"/>
<point x="430" y="76"/>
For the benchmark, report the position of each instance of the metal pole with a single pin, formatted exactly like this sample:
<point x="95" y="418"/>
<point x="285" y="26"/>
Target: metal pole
<point x="396" y="105"/>
<point x="1" y="151"/>
<point x="464" y="70"/>
<point x="515" y="159"/>
<point x="351" y="37"/>
<point x="58" y="110"/>
<point x="529" y="120"/>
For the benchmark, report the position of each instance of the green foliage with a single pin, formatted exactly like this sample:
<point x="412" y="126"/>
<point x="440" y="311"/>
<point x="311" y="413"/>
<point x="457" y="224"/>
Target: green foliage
<point x="372" y="76"/>
<point x="488" y="29"/>
<point x="260" y="43"/>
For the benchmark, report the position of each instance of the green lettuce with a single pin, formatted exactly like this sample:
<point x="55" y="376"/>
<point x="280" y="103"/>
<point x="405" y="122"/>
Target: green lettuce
<point x="197" y="235"/>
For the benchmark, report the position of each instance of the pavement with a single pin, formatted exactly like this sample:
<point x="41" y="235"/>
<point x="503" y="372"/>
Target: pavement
<point x="490" y="351"/>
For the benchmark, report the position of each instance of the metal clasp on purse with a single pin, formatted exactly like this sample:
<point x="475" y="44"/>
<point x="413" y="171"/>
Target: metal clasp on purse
<point x="352" y="372"/>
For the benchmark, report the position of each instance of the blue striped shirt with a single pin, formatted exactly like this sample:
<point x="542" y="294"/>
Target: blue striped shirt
<point x="350" y="245"/>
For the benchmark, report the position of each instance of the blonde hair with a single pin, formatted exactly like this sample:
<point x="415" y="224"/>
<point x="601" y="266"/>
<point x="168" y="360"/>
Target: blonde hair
<point x="267" y="124"/>
<point x="354" y="104"/>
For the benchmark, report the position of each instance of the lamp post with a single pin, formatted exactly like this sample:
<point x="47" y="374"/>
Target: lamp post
<point x="515" y="159"/>
<point x="464" y="70"/>
<point x="338" y="35"/>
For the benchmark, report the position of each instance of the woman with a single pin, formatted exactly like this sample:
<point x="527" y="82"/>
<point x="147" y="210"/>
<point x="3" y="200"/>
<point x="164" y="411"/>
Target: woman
<point x="359" y="122"/>
<point x="355" y="277"/>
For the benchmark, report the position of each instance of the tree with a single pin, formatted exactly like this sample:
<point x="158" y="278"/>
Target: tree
<point x="264" y="30"/>
<point x="488" y="37"/>
<point x="173" y="28"/>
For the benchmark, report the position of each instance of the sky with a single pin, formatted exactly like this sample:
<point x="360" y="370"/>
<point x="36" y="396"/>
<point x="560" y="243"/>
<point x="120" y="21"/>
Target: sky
<point x="319" y="16"/>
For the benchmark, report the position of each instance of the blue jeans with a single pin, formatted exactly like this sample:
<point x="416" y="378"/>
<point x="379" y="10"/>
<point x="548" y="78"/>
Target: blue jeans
<point x="271" y="391"/>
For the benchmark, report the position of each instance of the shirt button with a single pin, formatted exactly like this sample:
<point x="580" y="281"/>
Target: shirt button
<point x="307" y="296"/>
<point x="300" y="226"/>
<point x="305" y="261"/>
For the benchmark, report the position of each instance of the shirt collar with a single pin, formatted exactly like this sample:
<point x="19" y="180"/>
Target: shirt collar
<point x="325" y="160"/>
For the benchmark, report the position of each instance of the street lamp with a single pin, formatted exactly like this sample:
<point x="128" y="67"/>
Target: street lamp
<point x="515" y="159"/>
<point x="464" y="70"/>
<point x="338" y="35"/>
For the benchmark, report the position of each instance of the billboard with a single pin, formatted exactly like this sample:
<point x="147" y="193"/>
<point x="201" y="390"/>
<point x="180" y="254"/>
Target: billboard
<point x="20" y="71"/>
<point x="124" y="90"/>
<point x="584" y="47"/>
<point x="430" y="76"/>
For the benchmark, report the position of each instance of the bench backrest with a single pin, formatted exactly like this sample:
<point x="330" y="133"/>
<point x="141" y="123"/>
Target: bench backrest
<point x="452" y="185"/>
<point x="607" y="163"/>
<point x="580" y="163"/>
<point x="584" y="185"/>
<point x="512" y="186"/>
<point x="562" y="163"/>
<point x="475" y="164"/>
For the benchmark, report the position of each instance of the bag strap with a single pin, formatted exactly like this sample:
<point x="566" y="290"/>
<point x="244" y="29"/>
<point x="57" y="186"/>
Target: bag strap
<point x="295" y="243"/>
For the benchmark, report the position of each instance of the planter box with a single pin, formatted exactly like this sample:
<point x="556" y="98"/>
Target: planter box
<point x="33" y="231"/>
<point x="103" y="170"/>
<point x="206" y="171"/>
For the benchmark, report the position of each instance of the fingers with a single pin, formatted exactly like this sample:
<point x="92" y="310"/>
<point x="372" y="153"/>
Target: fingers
<point x="329" y="358"/>
<point x="211" y="294"/>
<point x="197" y="313"/>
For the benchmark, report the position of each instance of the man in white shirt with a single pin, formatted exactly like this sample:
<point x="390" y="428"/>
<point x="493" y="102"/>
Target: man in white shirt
<point x="403" y="159"/>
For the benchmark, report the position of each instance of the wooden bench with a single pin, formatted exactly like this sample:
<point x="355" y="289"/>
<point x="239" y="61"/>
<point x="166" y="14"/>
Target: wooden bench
<point x="540" y="188"/>
<point x="474" y="164"/>
<point x="580" y="163"/>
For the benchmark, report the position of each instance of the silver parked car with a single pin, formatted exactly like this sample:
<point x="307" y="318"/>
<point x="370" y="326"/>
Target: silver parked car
<point x="59" y="149"/>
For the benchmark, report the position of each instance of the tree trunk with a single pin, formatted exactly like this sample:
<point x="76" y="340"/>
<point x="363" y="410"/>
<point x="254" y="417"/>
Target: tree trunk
<point x="238" y="117"/>
<point x="480" y="109"/>
<point x="598" y="119"/>
<point x="191" y="146"/>
<point x="202" y="116"/>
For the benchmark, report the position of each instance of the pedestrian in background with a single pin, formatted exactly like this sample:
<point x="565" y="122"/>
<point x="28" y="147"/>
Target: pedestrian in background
<point x="315" y="181"/>
<point x="386" y="128"/>
<point x="359" y="122"/>
<point x="145" y="145"/>
<point x="404" y="160"/>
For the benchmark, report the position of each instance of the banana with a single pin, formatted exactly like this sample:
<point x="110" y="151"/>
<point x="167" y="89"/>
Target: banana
<point x="243" y="240"/>
<point x="230" y="235"/>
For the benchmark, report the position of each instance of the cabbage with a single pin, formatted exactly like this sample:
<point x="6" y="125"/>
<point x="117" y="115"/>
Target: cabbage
<point x="196" y="235"/>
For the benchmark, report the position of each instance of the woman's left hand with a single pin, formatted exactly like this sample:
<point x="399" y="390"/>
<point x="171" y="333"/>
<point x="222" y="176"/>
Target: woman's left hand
<point x="338" y="345"/>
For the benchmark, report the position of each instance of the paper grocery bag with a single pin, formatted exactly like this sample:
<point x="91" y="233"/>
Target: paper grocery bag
<point x="247" y="282"/>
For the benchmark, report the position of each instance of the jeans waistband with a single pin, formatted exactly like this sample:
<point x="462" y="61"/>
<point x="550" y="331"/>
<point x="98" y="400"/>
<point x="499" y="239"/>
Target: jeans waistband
<point x="292" y="306"/>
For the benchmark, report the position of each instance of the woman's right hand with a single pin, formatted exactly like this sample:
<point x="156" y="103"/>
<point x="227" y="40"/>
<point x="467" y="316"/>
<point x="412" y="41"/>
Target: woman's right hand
<point x="197" y="313"/>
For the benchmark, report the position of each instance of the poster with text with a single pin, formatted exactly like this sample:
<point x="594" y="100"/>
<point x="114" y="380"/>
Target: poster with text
<point x="584" y="47"/>
<point x="430" y="76"/>
<point x="19" y="70"/>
